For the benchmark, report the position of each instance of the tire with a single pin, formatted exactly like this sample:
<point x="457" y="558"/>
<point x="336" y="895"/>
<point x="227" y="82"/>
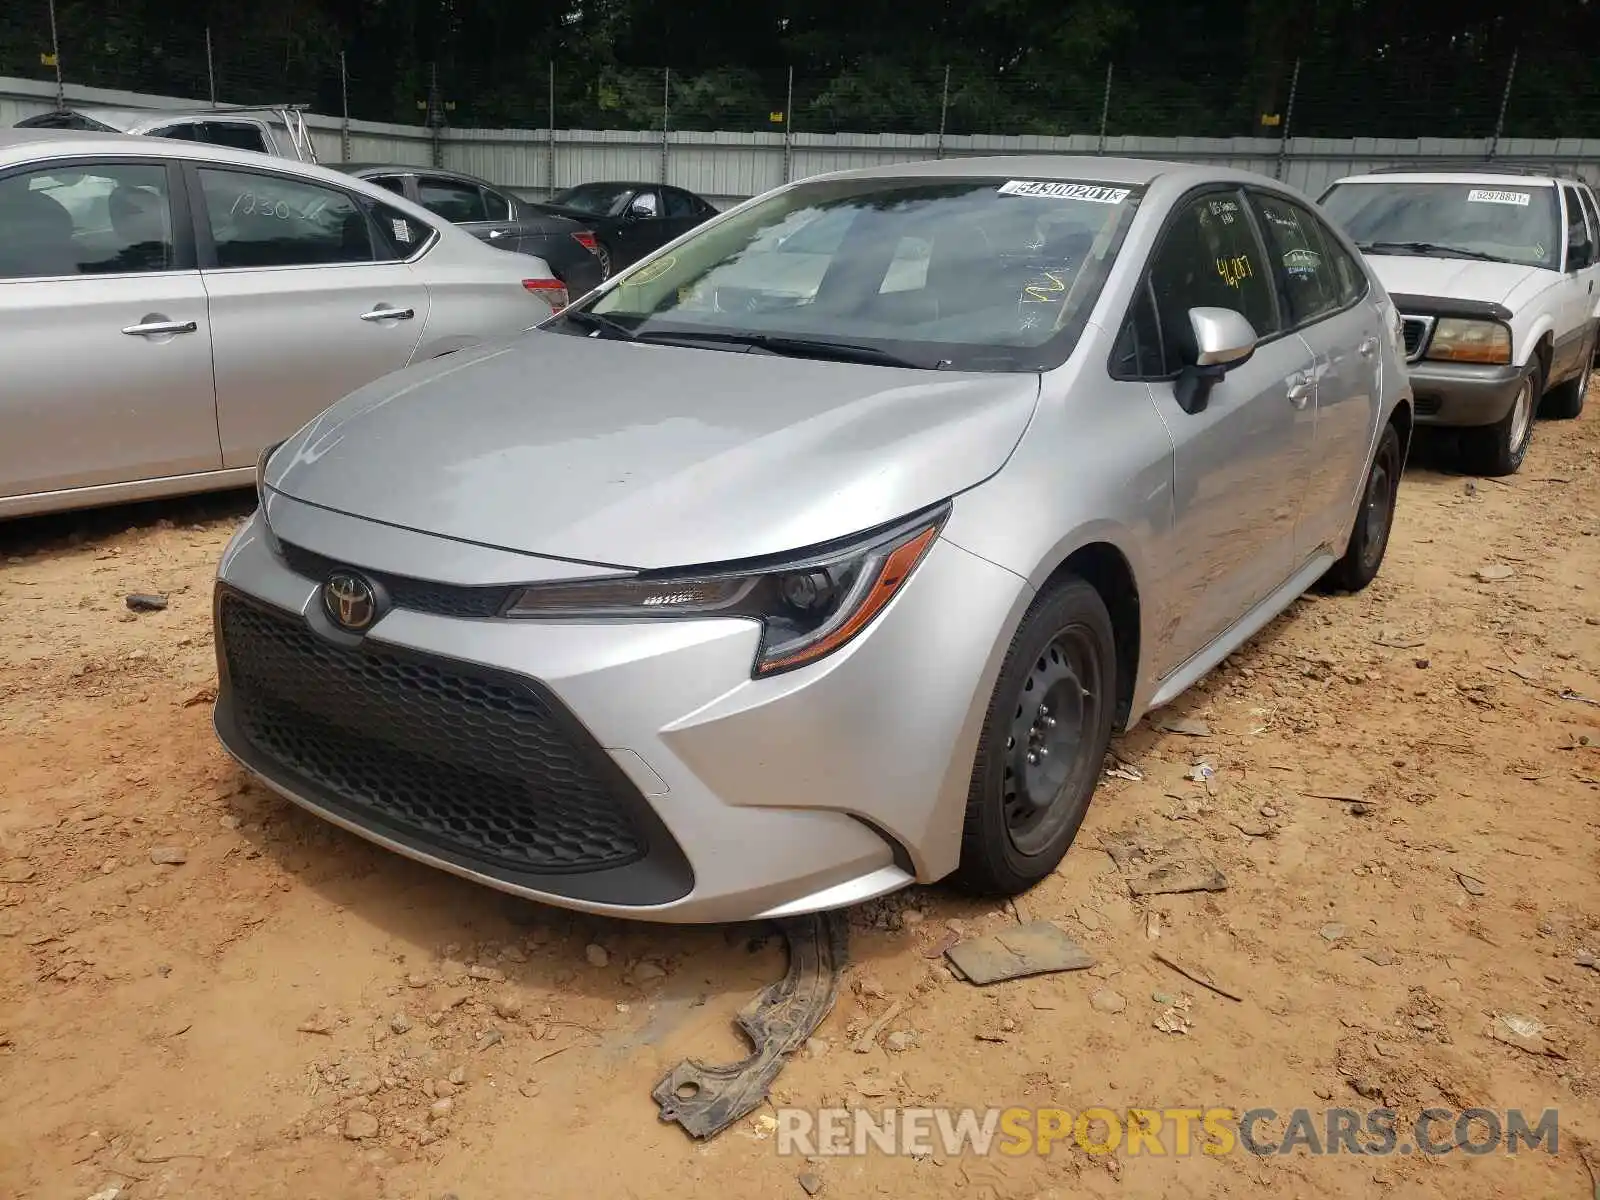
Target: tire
<point x="1369" y="537"/>
<point x="1499" y="449"/>
<point x="1022" y="815"/>
<point x="1565" y="401"/>
<point x="603" y="253"/>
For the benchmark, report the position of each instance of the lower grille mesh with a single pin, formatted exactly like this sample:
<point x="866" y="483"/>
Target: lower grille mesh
<point x="482" y="766"/>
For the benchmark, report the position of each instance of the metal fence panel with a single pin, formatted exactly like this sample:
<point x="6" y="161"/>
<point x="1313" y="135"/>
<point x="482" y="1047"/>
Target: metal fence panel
<point x="728" y="166"/>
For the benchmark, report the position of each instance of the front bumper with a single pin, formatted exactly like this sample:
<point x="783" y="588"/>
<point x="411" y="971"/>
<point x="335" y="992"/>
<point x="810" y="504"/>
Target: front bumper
<point x="1462" y="393"/>
<point x="705" y="795"/>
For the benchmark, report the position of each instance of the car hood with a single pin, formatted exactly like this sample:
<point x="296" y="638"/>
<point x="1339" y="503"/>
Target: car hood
<point x="1449" y="278"/>
<point x="645" y="456"/>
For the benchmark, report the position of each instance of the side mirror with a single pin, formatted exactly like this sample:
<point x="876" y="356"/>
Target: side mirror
<point x="1223" y="339"/>
<point x="638" y="211"/>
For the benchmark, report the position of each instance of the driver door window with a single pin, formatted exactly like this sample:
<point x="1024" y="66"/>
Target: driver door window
<point x="1209" y="256"/>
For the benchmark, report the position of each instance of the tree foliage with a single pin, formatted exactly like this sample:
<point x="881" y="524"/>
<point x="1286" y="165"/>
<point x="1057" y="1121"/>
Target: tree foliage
<point x="1353" y="67"/>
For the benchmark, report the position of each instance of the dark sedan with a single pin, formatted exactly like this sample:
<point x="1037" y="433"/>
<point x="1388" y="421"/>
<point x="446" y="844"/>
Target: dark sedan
<point x="566" y="243"/>
<point x="630" y="219"/>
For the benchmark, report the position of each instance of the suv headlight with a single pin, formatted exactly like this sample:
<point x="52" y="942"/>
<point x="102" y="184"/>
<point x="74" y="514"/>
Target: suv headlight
<point x="809" y="604"/>
<point x="1456" y="339"/>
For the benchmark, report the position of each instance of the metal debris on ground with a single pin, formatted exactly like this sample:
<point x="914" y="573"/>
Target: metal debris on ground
<point x="1126" y="771"/>
<point x="1527" y="1034"/>
<point x="145" y="602"/>
<point x="1036" y="948"/>
<point x="1187" y="726"/>
<point x="1196" y="976"/>
<point x="1201" y="772"/>
<point x="1569" y="694"/>
<point x="1154" y="866"/>
<point x="707" y="1099"/>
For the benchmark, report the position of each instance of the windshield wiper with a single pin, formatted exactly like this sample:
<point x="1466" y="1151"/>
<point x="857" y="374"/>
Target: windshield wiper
<point x="1426" y="248"/>
<point x="791" y="347"/>
<point x="600" y="324"/>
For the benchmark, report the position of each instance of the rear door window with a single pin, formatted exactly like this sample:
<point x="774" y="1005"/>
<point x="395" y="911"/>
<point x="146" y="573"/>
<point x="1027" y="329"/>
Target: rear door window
<point x="240" y="135"/>
<point x="262" y="220"/>
<point x="1312" y="283"/>
<point x="452" y="199"/>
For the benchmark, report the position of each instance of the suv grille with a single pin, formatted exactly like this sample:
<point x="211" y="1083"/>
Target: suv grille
<point x="486" y="766"/>
<point x="417" y="595"/>
<point x="1415" y="330"/>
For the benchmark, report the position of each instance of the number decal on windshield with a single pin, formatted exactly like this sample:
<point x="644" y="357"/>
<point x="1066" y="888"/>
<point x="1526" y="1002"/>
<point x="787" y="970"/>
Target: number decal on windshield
<point x="1492" y="196"/>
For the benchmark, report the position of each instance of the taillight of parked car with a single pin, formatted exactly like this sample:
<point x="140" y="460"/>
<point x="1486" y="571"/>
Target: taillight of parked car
<point x="586" y="239"/>
<point x="552" y="291"/>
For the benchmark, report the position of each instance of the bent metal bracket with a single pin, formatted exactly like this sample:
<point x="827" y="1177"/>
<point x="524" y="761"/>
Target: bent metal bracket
<point x="706" y="1100"/>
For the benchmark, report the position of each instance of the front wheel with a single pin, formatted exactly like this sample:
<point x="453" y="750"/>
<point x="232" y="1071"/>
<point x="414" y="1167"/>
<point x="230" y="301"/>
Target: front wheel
<point x="1369" y="538"/>
<point x="1499" y="449"/>
<point x="1043" y="743"/>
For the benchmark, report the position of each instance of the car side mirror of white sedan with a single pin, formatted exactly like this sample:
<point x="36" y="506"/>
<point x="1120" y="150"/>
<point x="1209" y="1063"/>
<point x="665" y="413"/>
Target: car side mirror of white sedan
<point x="1223" y="339"/>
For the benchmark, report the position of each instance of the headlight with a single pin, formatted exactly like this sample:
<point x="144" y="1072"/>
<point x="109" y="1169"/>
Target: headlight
<point x="1456" y="339"/>
<point x="809" y="605"/>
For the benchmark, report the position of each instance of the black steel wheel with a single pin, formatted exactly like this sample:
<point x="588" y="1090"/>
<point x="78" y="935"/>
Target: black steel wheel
<point x="603" y="253"/>
<point x="1043" y="742"/>
<point x="1369" y="537"/>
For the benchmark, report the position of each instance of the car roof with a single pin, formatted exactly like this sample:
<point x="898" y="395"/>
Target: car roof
<point x="18" y="146"/>
<point x="1484" y="175"/>
<point x="1133" y="172"/>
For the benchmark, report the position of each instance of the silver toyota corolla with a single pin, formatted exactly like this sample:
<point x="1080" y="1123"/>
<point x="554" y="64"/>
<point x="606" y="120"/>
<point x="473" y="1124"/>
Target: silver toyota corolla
<point x="168" y="308"/>
<point x="820" y="552"/>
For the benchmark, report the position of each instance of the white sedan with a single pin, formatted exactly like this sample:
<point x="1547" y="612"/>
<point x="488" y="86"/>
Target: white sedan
<point x="169" y="309"/>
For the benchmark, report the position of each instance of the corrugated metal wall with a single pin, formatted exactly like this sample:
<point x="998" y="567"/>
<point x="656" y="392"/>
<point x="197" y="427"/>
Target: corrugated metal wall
<point x="727" y="167"/>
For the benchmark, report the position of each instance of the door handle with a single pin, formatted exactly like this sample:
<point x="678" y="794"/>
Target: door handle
<point x="1368" y="347"/>
<point x="150" y="328"/>
<point x="388" y="314"/>
<point x="1299" y="390"/>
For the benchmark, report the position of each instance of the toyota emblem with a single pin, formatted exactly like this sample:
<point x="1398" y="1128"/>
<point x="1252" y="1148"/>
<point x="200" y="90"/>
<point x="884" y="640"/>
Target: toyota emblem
<point x="350" y="601"/>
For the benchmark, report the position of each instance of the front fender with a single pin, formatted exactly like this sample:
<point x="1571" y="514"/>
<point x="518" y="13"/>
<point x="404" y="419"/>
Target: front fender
<point x="1544" y="325"/>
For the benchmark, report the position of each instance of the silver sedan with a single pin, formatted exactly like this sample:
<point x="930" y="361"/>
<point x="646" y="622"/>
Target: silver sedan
<point x="168" y="308"/>
<point x="832" y="543"/>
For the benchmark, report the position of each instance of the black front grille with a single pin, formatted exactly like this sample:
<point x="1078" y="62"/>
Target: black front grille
<point x="1427" y="406"/>
<point x="487" y="766"/>
<point x="1415" y="332"/>
<point x="417" y="595"/>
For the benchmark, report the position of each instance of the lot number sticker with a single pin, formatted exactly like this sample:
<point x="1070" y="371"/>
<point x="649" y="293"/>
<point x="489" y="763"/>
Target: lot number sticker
<point x="1490" y="196"/>
<point x="1093" y="193"/>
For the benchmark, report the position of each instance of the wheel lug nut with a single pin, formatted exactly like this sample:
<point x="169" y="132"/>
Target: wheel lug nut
<point x="1033" y="758"/>
<point x="1043" y="711"/>
<point x="1049" y="722"/>
<point x="1044" y="752"/>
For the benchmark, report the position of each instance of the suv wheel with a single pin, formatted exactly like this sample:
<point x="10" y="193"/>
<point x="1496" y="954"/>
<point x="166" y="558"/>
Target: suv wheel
<point x="1499" y="449"/>
<point x="1043" y="743"/>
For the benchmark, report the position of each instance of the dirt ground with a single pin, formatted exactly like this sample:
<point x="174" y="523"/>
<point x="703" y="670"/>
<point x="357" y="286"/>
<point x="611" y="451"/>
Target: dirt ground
<point x="207" y="1027"/>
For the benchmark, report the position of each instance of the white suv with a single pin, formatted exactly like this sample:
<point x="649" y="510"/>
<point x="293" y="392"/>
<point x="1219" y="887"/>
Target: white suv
<point x="1495" y="274"/>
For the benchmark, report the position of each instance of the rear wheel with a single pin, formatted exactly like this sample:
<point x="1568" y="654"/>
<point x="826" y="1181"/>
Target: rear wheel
<point x="1565" y="400"/>
<point x="603" y="253"/>
<point x="1499" y="449"/>
<point x="1043" y="742"/>
<point x="1369" y="538"/>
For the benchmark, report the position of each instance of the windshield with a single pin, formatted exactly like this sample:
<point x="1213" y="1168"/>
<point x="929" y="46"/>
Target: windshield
<point x="1513" y="223"/>
<point x="597" y="198"/>
<point x="971" y="274"/>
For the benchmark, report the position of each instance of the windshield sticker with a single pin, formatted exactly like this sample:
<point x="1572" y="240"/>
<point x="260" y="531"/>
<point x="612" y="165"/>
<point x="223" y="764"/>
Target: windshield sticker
<point x="1491" y="196"/>
<point x="652" y="272"/>
<point x="1302" y="260"/>
<point x="1093" y="193"/>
